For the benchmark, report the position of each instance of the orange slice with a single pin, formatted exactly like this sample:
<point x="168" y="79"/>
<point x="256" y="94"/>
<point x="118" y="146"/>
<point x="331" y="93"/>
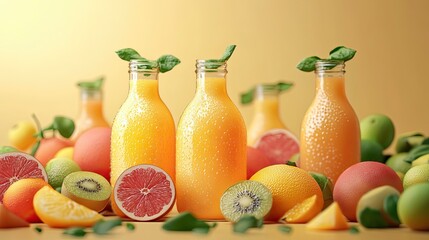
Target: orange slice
<point x="59" y="211"/>
<point x="330" y="219"/>
<point x="303" y="211"/>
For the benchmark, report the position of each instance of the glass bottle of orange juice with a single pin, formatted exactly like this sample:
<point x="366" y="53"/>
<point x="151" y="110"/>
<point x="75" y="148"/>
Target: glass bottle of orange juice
<point x="143" y="131"/>
<point x="91" y="107"/>
<point x="267" y="109"/>
<point x="330" y="135"/>
<point x="211" y="145"/>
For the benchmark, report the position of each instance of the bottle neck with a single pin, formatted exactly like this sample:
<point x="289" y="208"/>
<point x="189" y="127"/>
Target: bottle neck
<point x="267" y="102"/>
<point x="91" y="102"/>
<point x="330" y="79"/>
<point x="143" y="77"/>
<point x="211" y="77"/>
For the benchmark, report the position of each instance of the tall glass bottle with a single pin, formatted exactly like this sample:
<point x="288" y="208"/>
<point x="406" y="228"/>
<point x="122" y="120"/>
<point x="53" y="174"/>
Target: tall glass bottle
<point x="211" y="145"/>
<point x="143" y="131"/>
<point x="330" y="135"/>
<point x="266" y="115"/>
<point x="91" y="108"/>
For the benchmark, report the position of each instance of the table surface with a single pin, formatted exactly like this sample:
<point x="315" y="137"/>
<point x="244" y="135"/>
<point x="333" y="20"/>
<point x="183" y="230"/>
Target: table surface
<point x="153" y="230"/>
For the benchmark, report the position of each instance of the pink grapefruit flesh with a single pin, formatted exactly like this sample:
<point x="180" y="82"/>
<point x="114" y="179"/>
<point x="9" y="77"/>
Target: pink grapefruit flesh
<point x="18" y="165"/>
<point x="144" y="192"/>
<point x="279" y="145"/>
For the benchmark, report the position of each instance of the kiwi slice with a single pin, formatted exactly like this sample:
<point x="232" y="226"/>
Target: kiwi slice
<point x="87" y="188"/>
<point x="246" y="198"/>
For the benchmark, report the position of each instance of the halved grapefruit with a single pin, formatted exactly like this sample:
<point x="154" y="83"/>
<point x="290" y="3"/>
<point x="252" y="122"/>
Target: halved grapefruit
<point x="279" y="145"/>
<point x="18" y="165"/>
<point x="144" y="192"/>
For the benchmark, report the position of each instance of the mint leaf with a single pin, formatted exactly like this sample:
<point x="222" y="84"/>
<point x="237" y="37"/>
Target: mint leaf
<point x="185" y="222"/>
<point x="92" y="85"/>
<point x="246" y="222"/>
<point x="342" y="53"/>
<point x="285" y="229"/>
<point x="308" y="64"/>
<point x="102" y="227"/>
<point x="128" y="54"/>
<point x="247" y="97"/>
<point x="167" y="62"/>
<point x="354" y="230"/>
<point x="38" y="229"/>
<point x="228" y="52"/>
<point x="130" y="226"/>
<point x="75" y="231"/>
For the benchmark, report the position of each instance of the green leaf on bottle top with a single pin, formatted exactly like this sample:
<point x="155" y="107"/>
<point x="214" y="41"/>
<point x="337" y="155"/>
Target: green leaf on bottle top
<point x="308" y="64"/>
<point x="390" y="207"/>
<point x="167" y="62"/>
<point x="92" y="85"/>
<point x="187" y="222"/>
<point x="64" y="125"/>
<point x="248" y="96"/>
<point x="128" y="54"/>
<point x="339" y="53"/>
<point x="103" y="227"/>
<point x="342" y="53"/>
<point x="246" y="222"/>
<point x="216" y="63"/>
<point x="372" y="218"/>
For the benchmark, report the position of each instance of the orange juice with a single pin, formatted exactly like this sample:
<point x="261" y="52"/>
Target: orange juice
<point x="91" y="110"/>
<point x="266" y="115"/>
<point x="330" y="135"/>
<point x="211" y="146"/>
<point x="143" y="131"/>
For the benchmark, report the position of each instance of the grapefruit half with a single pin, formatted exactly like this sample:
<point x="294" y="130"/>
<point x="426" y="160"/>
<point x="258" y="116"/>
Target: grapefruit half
<point x="144" y="192"/>
<point x="18" y="165"/>
<point x="279" y="145"/>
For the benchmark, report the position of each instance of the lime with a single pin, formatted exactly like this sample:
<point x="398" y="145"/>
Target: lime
<point x="58" y="168"/>
<point x="7" y="149"/>
<point x="413" y="206"/>
<point x="397" y="163"/>
<point x="371" y="150"/>
<point x="378" y="127"/>
<point x="417" y="174"/>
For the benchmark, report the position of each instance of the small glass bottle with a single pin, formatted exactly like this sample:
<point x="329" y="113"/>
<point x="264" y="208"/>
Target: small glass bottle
<point x="211" y="145"/>
<point x="266" y="115"/>
<point x="91" y="108"/>
<point x="143" y="131"/>
<point x="330" y="134"/>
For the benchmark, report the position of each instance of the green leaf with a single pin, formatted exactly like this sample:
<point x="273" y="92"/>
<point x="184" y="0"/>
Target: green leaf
<point x="167" y="62"/>
<point x="64" y="125"/>
<point x="308" y="64"/>
<point x="372" y="218"/>
<point x="417" y="152"/>
<point x="35" y="148"/>
<point x="75" y="231"/>
<point x="246" y="222"/>
<point x="247" y="97"/>
<point x="184" y="222"/>
<point x="290" y="163"/>
<point x="228" y="52"/>
<point x="354" y="230"/>
<point x="285" y="229"/>
<point x="425" y="141"/>
<point x="102" y="227"/>
<point x="92" y="85"/>
<point x="390" y="207"/>
<point x="283" y="86"/>
<point x="342" y="53"/>
<point x="130" y="226"/>
<point x="128" y="54"/>
<point x="38" y="229"/>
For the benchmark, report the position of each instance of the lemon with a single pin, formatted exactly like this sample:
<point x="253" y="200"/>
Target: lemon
<point x="413" y="206"/>
<point x="417" y="174"/>
<point x="58" y="168"/>
<point x="21" y="135"/>
<point x="66" y="152"/>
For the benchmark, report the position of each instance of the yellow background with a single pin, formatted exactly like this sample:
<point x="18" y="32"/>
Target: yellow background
<point x="47" y="46"/>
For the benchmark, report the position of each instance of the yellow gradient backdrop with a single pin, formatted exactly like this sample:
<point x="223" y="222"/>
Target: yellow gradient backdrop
<point x="47" y="46"/>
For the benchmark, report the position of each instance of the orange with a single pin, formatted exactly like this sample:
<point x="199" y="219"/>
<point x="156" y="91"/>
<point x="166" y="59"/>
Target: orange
<point x="57" y="210"/>
<point x="289" y="186"/>
<point x="18" y="198"/>
<point x="303" y="211"/>
<point x="330" y="219"/>
<point x="49" y="147"/>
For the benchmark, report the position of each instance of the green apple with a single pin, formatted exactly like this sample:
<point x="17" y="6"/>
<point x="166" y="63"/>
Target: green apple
<point x="21" y="135"/>
<point x="378" y="127"/>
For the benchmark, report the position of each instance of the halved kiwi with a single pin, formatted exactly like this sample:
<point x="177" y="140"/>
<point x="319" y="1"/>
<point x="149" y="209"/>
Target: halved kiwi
<point x="246" y="198"/>
<point x="87" y="188"/>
